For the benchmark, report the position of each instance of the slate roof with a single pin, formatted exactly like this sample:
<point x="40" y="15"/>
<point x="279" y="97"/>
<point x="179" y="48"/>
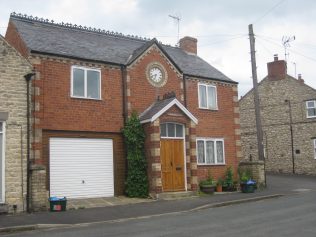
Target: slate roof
<point x="154" y="108"/>
<point x="161" y="106"/>
<point x="42" y="36"/>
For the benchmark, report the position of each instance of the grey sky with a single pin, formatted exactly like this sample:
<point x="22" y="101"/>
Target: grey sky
<point x="221" y="28"/>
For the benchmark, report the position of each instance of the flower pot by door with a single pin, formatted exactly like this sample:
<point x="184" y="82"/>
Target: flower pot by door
<point x="219" y="188"/>
<point x="209" y="189"/>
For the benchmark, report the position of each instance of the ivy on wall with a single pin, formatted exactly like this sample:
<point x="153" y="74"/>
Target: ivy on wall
<point x="137" y="180"/>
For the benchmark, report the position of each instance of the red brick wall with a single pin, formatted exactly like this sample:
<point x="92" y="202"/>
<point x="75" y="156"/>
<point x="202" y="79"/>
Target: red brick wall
<point x="59" y="111"/>
<point x="149" y="129"/>
<point x="215" y="124"/>
<point x="143" y="94"/>
<point x="189" y="44"/>
<point x="15" y="39"/>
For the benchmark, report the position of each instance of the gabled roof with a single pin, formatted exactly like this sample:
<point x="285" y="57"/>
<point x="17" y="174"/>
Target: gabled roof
<point x="44" y="37"/>
<point x="287" y="77"/>
<point x="160" y="107"/>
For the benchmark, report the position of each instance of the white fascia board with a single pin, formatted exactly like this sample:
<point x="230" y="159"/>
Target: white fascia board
<point x="168" y="106"/>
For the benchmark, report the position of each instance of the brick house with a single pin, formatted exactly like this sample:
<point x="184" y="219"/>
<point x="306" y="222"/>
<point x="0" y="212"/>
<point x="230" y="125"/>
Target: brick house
<point x="88" y="81"/>
<point x="13" y="128"/>
<point x="288" y="114"/>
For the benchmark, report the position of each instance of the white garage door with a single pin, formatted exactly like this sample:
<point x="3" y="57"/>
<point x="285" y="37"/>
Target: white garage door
<point x="81" y="167"/>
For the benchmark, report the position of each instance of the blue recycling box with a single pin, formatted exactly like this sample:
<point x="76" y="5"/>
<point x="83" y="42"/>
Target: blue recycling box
<point x="57" y="204"/>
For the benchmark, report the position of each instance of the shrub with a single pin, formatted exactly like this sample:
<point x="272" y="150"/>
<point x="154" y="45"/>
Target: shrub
<point x="137" y="180"/>
<point x="208" y="181"/>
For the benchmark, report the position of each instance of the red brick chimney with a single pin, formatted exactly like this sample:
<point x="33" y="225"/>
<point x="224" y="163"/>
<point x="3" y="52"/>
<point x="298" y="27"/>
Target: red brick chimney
<point x="300" y="79"/>
<point x="189" y="44"/>
<point x="277" y="69"/>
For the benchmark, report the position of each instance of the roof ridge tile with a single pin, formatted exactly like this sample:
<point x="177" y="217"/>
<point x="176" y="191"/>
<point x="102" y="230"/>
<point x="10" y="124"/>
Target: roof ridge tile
<point x="77" y="27"/>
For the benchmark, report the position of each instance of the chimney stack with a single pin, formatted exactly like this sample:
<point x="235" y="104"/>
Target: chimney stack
<point x="277" y="69"/>
<point x="300" y="79"/>
<point x="189" y="44"/>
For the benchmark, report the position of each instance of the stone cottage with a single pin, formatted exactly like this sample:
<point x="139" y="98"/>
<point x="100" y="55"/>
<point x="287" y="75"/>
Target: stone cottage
<point x="288" y="115"/>
<point x="13" y="128"/>
<point x="88" y="81"/>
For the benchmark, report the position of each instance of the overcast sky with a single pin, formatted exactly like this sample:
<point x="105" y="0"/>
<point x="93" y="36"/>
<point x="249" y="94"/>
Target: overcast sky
<point x="221" y="28"/>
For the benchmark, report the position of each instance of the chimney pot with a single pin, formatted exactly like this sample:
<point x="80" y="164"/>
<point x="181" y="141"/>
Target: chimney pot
<point x="188" y="44"/>
<point x="276" y="58"/>
<point x="299" y="76"/>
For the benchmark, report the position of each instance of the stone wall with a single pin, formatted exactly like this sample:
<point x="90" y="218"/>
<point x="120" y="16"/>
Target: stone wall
<point x="13" y="103"/>
<point x="257" y="171"/>
<point x="279" y="100"/>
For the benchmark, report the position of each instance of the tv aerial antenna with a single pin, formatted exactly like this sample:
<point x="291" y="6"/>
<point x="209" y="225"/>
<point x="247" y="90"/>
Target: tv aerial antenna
<point x="177" y="18"/>
<point x="286" y="44"/>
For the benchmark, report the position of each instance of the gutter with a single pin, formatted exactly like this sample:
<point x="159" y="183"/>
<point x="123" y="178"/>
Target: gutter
<point x="74" y="57"/>
<point x="215" y="79"/>
<point x="124" y="107"/>
<point x="184" y="90"/>
<point x="124" y="92"/>
<point x="28" y="78"/>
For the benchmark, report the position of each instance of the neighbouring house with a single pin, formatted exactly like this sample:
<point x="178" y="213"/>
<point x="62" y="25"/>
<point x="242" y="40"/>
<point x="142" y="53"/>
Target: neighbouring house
<point x="13" y="128"/>
<point x="88" y="81"/>
<point x="288" y="115"/>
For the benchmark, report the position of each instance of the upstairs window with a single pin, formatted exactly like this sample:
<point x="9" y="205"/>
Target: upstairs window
<point x="311" y="108"/>
<point x="210" y="151"/>
<point x="85" y="83"/>
<point x="207" y="97"/>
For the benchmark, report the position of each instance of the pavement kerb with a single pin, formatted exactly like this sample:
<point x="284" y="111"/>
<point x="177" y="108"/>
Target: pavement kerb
<point x="212" y="205"/>
<point x="21" y="228"/>
<point x="238" y="201"/>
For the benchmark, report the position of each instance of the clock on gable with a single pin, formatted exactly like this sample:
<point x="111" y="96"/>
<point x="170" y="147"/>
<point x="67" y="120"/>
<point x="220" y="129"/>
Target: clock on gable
<point x="156" y="74"/>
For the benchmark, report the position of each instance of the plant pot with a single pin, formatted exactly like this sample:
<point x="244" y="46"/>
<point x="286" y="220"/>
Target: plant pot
<point x="219" y="188"/>
<point x="229" y="189"/>
<point x="209" y="189"/>
<point x="247" y="188"/>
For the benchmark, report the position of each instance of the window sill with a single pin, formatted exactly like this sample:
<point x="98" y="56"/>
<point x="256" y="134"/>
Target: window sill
<point x="311" y="117"/>
<point x="215" y="109"/>
<point x="211" y="164"/>
<point x="84" y="98"/>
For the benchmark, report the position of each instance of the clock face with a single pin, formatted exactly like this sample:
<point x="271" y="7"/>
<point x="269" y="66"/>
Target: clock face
<point x="155" y="74"/>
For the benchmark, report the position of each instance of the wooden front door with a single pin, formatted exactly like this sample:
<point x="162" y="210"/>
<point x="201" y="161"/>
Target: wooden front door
<point x="172" y="164"/>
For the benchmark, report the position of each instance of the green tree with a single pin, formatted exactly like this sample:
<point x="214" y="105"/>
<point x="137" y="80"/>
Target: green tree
<point x="137" y="180"/>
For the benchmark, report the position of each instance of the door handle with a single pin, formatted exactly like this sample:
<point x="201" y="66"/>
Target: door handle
<point x="178" y="168"/>
<point x="171" y="163"/>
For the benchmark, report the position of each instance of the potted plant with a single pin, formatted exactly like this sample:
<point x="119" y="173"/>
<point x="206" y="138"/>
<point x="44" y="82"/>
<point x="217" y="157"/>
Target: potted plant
<point x="247" y="185"/>
<point x="208" y="185"/>
<point x="228" y="184"/>
<point x="219" y="185"/>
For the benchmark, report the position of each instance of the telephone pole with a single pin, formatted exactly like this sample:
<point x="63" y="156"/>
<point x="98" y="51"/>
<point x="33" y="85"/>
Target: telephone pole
<point x="255" y="93"/>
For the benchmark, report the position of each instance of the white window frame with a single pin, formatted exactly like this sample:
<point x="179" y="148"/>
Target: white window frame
<point x="215" y="150"/>
<point x="3" y="162"/>
<point x="85" y="82"/>
<point x="314" y="141"/>
<point x="175" y="131"/>
<point x="310" y="108"/>
<point x="199" y="95"/>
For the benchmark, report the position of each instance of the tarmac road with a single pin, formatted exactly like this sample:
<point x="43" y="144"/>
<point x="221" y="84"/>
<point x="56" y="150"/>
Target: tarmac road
<point x="291" y="215"/>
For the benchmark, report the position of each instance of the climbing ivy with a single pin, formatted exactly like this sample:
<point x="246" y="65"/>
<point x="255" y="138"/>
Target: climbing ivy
<point x="137" y="180"/>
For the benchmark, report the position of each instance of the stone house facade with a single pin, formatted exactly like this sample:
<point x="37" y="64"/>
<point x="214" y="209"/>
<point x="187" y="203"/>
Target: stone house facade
<point x="288" y="115"/>
<point x="88" y="81"/>
<point x="13" y="128"/>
